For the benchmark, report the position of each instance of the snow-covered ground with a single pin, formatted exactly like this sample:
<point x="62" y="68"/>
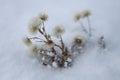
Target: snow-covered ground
<point x="14" y="61"/>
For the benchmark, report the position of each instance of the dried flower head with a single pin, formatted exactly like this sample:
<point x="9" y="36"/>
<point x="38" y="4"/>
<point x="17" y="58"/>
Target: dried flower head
<point x="77" y="16"/>
<point x="27" y="41"/>
<point x="33" y="29"/>
<point x="34" y="25"/>
<point x="58" y="30"/>
<point x="85" y="13"/>
<point x="43" y="16"/>
<point x="50" y="43"/>
<point x="79" y="40"/>
<point x="33" y="49"/>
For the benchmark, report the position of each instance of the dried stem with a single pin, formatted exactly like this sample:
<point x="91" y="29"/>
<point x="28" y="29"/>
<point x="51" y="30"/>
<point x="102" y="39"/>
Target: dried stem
<point x="62" y="43"/>
<point x="58" y="46"/>
<point x="43" y="32"/>
<point x="89" y="24"/>
<point x="48" y="38"/>
<point x="34" y="38"/>
<point x="41" y="41"/>
<point x="64" y="50"/>
<point x="83" y="27"/>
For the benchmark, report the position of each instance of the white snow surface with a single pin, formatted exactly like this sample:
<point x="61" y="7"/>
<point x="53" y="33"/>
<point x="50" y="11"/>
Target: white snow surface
<point x="16" y="64"/>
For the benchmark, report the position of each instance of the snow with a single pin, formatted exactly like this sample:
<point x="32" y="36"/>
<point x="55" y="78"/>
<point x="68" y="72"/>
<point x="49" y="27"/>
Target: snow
<point x="15" y="63"/>
<point x="54" y="64"/>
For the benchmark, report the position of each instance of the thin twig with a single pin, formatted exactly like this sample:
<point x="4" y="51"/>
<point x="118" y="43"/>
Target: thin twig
<point x="89" y="24"/>
<point x="41" y="41"/>
<point x="44" y="50"/>
<point x="45" y="34"/>
<point x="62" y="43"/>
<point x="34" y="38"/>
<point x="58" y="46"/>
<point x="83" y="27"/>
<point x="64" y="50"/>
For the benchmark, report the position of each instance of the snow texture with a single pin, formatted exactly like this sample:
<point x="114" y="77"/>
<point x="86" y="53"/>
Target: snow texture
<point x="17" y="64"/>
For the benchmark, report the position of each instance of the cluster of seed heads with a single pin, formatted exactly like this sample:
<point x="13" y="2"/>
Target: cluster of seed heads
<point x="55" y="54"/>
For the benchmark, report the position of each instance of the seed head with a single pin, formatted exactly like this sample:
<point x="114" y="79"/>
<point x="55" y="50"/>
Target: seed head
<point x="50" y="43"/>
<point x="33" y="29"/>
<point x="77" y="16"/>
<point x="79" y="40"/>
<point x="33" y="49"/>
<point x="27" y="41"/>
<point x="34" y="25"/>
<point x="43" y="16"/>
<point x="86" y="13"/>
<point x="58" y="30"/>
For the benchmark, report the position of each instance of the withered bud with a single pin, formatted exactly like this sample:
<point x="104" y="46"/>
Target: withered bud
<point x="33" y="49"/>
<point x="79" y="40"/>
<point x="58" y="30"/>
<point x="27" y="41"/>
<point x="34" y="25"/>
<point x="43" y="16"/>
<point x="50" y="43"/>
<point x="77" y="16"/>
<point x="86" y="13"/>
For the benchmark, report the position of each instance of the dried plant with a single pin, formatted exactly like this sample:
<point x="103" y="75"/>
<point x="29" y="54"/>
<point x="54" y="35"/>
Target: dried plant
<point x="85" y="14"/>
<point x="52" y="54"/>
<point x="101" y="42"/>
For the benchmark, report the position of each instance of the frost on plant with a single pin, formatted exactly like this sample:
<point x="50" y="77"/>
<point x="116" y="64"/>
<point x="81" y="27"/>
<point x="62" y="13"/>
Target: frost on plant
<point x="52" y="53"/>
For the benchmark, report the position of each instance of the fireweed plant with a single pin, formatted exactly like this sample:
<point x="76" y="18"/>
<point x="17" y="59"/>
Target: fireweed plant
<point x="52" y="54"/>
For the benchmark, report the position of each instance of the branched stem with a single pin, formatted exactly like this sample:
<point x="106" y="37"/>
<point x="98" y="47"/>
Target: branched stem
<point x="47" y="37"/>
<point x="43" y="32"/>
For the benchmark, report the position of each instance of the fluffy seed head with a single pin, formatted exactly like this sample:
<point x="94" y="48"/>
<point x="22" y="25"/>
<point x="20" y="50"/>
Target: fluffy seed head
<point x="77" y="16"/>
<point x="33" y="29"/>
<point x="27" y="41"/>
<point x="33" y="49"/>
<point x="50" y="43"/>
<point x="85" y="13"/>
<point x="43" y="16"/>
<point x="34" y="25"/>
<point x="58" y="30"/>
<point x="79" y="40"/>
